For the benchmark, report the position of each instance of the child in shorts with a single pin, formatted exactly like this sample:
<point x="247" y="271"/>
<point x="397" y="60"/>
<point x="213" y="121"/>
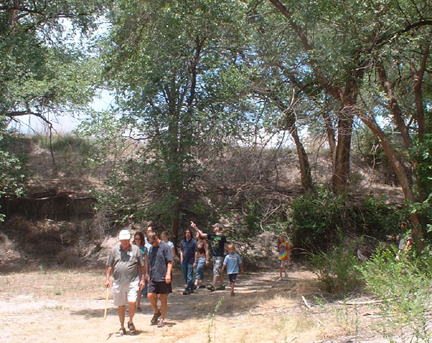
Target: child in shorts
<point x="284" y="255"/>
<point x="233" y="264"/>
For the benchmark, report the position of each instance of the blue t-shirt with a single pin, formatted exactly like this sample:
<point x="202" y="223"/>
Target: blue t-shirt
<point x="232" y="262"/>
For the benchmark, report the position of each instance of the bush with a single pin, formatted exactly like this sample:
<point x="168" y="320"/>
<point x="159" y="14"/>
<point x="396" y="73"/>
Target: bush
<point x="404" y="288"/>
<point x="315" y="220"/>
<point x="338" y="270"/>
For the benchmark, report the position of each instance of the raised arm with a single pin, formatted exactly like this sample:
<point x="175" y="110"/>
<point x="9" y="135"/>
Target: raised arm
<point x="195" y="227"/>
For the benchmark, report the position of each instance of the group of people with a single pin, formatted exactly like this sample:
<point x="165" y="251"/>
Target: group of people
<point x="144" y="268"/>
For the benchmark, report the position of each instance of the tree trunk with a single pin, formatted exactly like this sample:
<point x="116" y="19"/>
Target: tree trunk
<point x="343" y="152"/>
<point x="418" y="95"/>
<point x="399" y="169"/>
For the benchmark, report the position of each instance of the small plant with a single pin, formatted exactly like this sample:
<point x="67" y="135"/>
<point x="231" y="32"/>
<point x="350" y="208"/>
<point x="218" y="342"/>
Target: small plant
<point x="404" y="288"/>
<point x="211" y="324"/>
<point x="338" y="270"/>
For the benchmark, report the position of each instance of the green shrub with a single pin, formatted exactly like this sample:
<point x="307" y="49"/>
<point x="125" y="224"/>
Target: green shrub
<point x="404" y="288"/>
<point x="338" y="269"/>
<point x="315" y="220"/>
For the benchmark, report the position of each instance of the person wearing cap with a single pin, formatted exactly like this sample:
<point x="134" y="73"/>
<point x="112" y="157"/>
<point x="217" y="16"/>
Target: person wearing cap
<point x="125" y="262"/>
<point x="217" y="242"/>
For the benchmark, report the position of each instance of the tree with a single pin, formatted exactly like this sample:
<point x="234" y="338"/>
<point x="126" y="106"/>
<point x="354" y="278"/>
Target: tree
<point x="174" y="65"/>
<point x="341" y="45"/>
<point x="42" y="71"/>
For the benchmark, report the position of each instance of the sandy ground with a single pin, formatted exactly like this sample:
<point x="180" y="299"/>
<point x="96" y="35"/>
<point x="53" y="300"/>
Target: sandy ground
<point x="68" y="306"/>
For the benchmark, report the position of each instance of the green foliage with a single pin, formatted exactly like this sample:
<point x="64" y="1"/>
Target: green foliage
<point x="314" y="220"/>
<point x="253" y="216"/>
<point x="404" y="289"/>
<point x="421" y="153"/>
<point x="12" y="171"/>
<point x="337" y="269"/>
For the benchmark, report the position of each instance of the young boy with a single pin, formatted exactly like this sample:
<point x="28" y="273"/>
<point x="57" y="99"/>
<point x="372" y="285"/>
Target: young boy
<point x="233" y="265"/>
<point x="284" y="255"/>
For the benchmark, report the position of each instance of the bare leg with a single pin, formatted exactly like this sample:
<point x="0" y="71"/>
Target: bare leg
<point x="232" y="287"/>
<point x="138" y="303"/>
<point x="121" y="314"/>
<point x="164" y="305"/>
<point x="131" y="311"/>
<point x="152" y="297"/>
<point x="214" y="280"/>
<point x="221" y="278"/>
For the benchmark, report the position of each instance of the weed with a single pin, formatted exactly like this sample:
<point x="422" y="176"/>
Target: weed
<point x="404" y="288"/>
<point x="211" y="328"/>
<point x="337" y="270"/>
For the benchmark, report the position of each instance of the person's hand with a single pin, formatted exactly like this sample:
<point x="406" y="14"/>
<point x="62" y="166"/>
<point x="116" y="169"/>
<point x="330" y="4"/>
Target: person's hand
<point x="193" y="225"/>
<point x="142" y="284"/>
<point x="195" y="265"/>
<point x="147" y="277"/>
<point x="207" y="263"/>
<point x="107" y="283"/>
<point x="168" y="279"/>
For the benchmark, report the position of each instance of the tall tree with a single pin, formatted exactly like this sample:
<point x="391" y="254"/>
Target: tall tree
<point x="174" y="65"/>
<point x="343" y="44"/>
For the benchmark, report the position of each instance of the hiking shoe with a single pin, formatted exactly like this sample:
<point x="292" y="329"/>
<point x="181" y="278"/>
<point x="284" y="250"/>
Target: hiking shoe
<point x="221" y="288"/>
<point x="210" y="288"/>
<point x="131" y="328"/>
<point x="154" y="320"/>
<point x="160" y="323"/>
<point x="187" y="292"/>
<point x="121" y="332"/>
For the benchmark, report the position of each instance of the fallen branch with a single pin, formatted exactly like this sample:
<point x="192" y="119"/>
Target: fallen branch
<point x="354" y="303"/>
<point x="306" y="303"/>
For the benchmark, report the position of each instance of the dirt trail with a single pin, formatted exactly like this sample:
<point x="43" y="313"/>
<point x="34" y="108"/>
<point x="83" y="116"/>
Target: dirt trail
<point x="68" y="306"/>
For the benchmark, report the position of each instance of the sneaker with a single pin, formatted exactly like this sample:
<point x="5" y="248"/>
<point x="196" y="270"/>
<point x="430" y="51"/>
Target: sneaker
<point x="154" y="320"/>
<point x="187" y="292"/>
<point x="160" y="323"/>
<point x="221" y="288"/>
<point x="121" y="332"/>
<point x="210" y="288"/>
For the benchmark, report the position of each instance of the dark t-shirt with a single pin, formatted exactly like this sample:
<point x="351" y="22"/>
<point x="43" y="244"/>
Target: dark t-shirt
<point x="158" y="260"/>
<point x="188" y="249"/>
<point x="217" y="244"/>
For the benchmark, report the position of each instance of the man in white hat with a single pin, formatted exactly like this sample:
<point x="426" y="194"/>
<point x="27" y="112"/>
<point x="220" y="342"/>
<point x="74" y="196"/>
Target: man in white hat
<point x="125" y="261"/>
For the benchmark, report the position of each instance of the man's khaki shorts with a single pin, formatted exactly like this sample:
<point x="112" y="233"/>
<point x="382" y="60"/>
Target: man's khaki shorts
<point x="125" y="292"/>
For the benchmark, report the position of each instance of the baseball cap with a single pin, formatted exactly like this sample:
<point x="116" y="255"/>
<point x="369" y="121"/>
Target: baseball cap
<point x="124" y="234"/>
<point x="219" y="225"/>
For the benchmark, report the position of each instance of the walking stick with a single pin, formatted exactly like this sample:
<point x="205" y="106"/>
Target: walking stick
<point x="106" y="303"/>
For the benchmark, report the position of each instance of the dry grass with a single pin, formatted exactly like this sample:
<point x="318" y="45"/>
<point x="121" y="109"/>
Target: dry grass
<point x="67" y="306"/>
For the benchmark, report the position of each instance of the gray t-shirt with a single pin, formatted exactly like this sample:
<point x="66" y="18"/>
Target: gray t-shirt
<point x="125" y="264"/>
<point x="158" y="260"/>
